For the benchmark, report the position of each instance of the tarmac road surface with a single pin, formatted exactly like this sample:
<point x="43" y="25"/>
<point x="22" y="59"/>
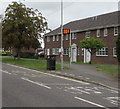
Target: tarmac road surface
<point x="23" y="87"/>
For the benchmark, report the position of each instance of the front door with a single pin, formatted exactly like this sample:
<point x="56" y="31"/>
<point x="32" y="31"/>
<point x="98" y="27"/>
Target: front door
<point x="74" y="53"/>
<point x="87" y="56"/>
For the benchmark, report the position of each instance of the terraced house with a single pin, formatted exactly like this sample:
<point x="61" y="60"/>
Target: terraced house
<point x="105" y="27"/>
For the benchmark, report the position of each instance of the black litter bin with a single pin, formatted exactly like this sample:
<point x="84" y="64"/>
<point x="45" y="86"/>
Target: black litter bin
<point x="51" y="62"/>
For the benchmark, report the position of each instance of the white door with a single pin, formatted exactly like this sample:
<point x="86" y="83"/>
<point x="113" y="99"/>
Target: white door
<point x="74" y="54"/>
<point x="87" y="56"/>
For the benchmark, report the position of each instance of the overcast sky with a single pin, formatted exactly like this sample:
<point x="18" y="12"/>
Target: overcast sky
<point x="72" y="10"/>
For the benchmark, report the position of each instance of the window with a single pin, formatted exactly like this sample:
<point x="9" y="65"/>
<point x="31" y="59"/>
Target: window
<point x="66" y="36"/>
<point x="66" y="51"/>
<point x="87" y="34"/>
<point x="53" y="38"/>
<point x="98" y="33"/>
<point x="48" y="51"/>
<point x="48" y="39"/>
<point x="114" y="52"/>
<point x="102" y="52"/>
<point x="82" y="52"/>
<point x="73" y="35"/>
<point x="105" y="32"/>
<point x="45" y="51"/>
<point x="57" y="38"/>
<point x="55" y="51"/>
<point x="78" y="51"/>
<point x="115" y="31"/>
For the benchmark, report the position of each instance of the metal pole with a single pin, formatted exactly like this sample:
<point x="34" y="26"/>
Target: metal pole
<point x="61" y="34"/>
<point x="70" y="49"/>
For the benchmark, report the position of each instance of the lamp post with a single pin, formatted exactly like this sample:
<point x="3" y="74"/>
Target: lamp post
<point x="61" y="34"/>
<point x="70" y="49"/>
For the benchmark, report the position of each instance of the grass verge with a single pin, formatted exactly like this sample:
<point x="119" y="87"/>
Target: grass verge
<point x="38" y="64"/>
<point x="109" y="69"/>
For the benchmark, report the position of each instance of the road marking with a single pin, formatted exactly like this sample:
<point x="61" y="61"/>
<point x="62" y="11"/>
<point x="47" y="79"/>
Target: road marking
<point x="5" y="72"/>
<point x="73" y="88"/>
<point x="51" y="74"/>
<point x="26" y="79"/>
<point x="82" y="91"/>
<point x="114" y="100"/>
<point x="90" y="102"/>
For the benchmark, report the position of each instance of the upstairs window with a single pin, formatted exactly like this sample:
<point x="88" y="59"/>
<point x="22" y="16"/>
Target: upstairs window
<point x="48" y="39"/>
<point x="53" y="38"/>
<point x="105" y="32"/>
<point x="57" y="38"/>
<point x="87" y="34"/>
<point x="98" y="33"/>
<point x="102" y="52"/>
<point x="115" y="31"/>
<point x="66" y="36"/>
<point x="73" y="35"/>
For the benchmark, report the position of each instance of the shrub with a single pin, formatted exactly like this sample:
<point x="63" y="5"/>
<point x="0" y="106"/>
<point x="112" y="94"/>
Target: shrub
<point x="27" y="55"/>
<point x="5" y="53"/>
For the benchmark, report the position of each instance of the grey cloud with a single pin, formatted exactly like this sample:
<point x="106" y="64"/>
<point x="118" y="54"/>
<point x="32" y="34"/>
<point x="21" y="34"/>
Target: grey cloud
<point x="72" y="10"/>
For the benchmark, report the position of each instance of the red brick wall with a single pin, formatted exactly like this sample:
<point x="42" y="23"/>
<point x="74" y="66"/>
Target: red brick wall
<point x="109" y="40"/>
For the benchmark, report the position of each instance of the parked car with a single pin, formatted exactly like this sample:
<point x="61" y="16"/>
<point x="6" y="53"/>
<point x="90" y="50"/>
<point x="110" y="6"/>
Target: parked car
<point x="40" y="54"/>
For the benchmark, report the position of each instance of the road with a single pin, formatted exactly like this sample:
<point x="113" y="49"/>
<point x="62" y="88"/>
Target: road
<point x="22" y="87"/>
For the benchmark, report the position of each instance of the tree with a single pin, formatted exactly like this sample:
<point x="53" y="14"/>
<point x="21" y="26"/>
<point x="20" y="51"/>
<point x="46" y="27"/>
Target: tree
<point x="92" y="45"/>
<point x="22" y="27"/>
<point x="118" y="48"/>
<point x="0" y="36"/>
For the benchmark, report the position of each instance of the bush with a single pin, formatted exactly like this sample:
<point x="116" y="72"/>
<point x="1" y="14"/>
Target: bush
<point x="5" y="53"/>
<point x="27" y="55"/>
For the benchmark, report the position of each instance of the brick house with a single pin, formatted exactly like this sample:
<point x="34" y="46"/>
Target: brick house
<point x="104" y="26"/>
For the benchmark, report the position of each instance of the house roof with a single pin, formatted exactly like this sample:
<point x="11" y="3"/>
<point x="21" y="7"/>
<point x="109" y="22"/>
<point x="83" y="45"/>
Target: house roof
<point x="91" y="23"/>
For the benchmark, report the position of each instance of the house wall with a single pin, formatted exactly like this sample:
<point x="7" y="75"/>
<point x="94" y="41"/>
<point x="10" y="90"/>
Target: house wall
<point x="110" y="42"/>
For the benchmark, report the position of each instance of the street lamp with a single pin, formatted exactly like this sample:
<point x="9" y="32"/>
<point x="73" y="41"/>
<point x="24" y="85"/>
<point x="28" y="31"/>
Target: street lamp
<point x="61" y="34"/>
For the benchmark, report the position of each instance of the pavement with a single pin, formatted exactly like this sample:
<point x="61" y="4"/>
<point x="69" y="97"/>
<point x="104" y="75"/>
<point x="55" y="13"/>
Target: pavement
<point x="89" y="73"/>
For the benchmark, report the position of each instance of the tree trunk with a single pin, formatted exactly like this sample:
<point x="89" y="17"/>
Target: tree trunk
<point x="90" y="58"/>
<point x="18" y="54"/>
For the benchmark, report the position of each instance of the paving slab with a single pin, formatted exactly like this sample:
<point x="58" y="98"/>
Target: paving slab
<point x="90" y="73"/>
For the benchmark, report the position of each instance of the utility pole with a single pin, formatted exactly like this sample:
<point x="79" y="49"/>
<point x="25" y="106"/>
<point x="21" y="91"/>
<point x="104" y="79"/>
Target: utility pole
<point x="70" y="49"/>
<point x="61" y="34"/>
